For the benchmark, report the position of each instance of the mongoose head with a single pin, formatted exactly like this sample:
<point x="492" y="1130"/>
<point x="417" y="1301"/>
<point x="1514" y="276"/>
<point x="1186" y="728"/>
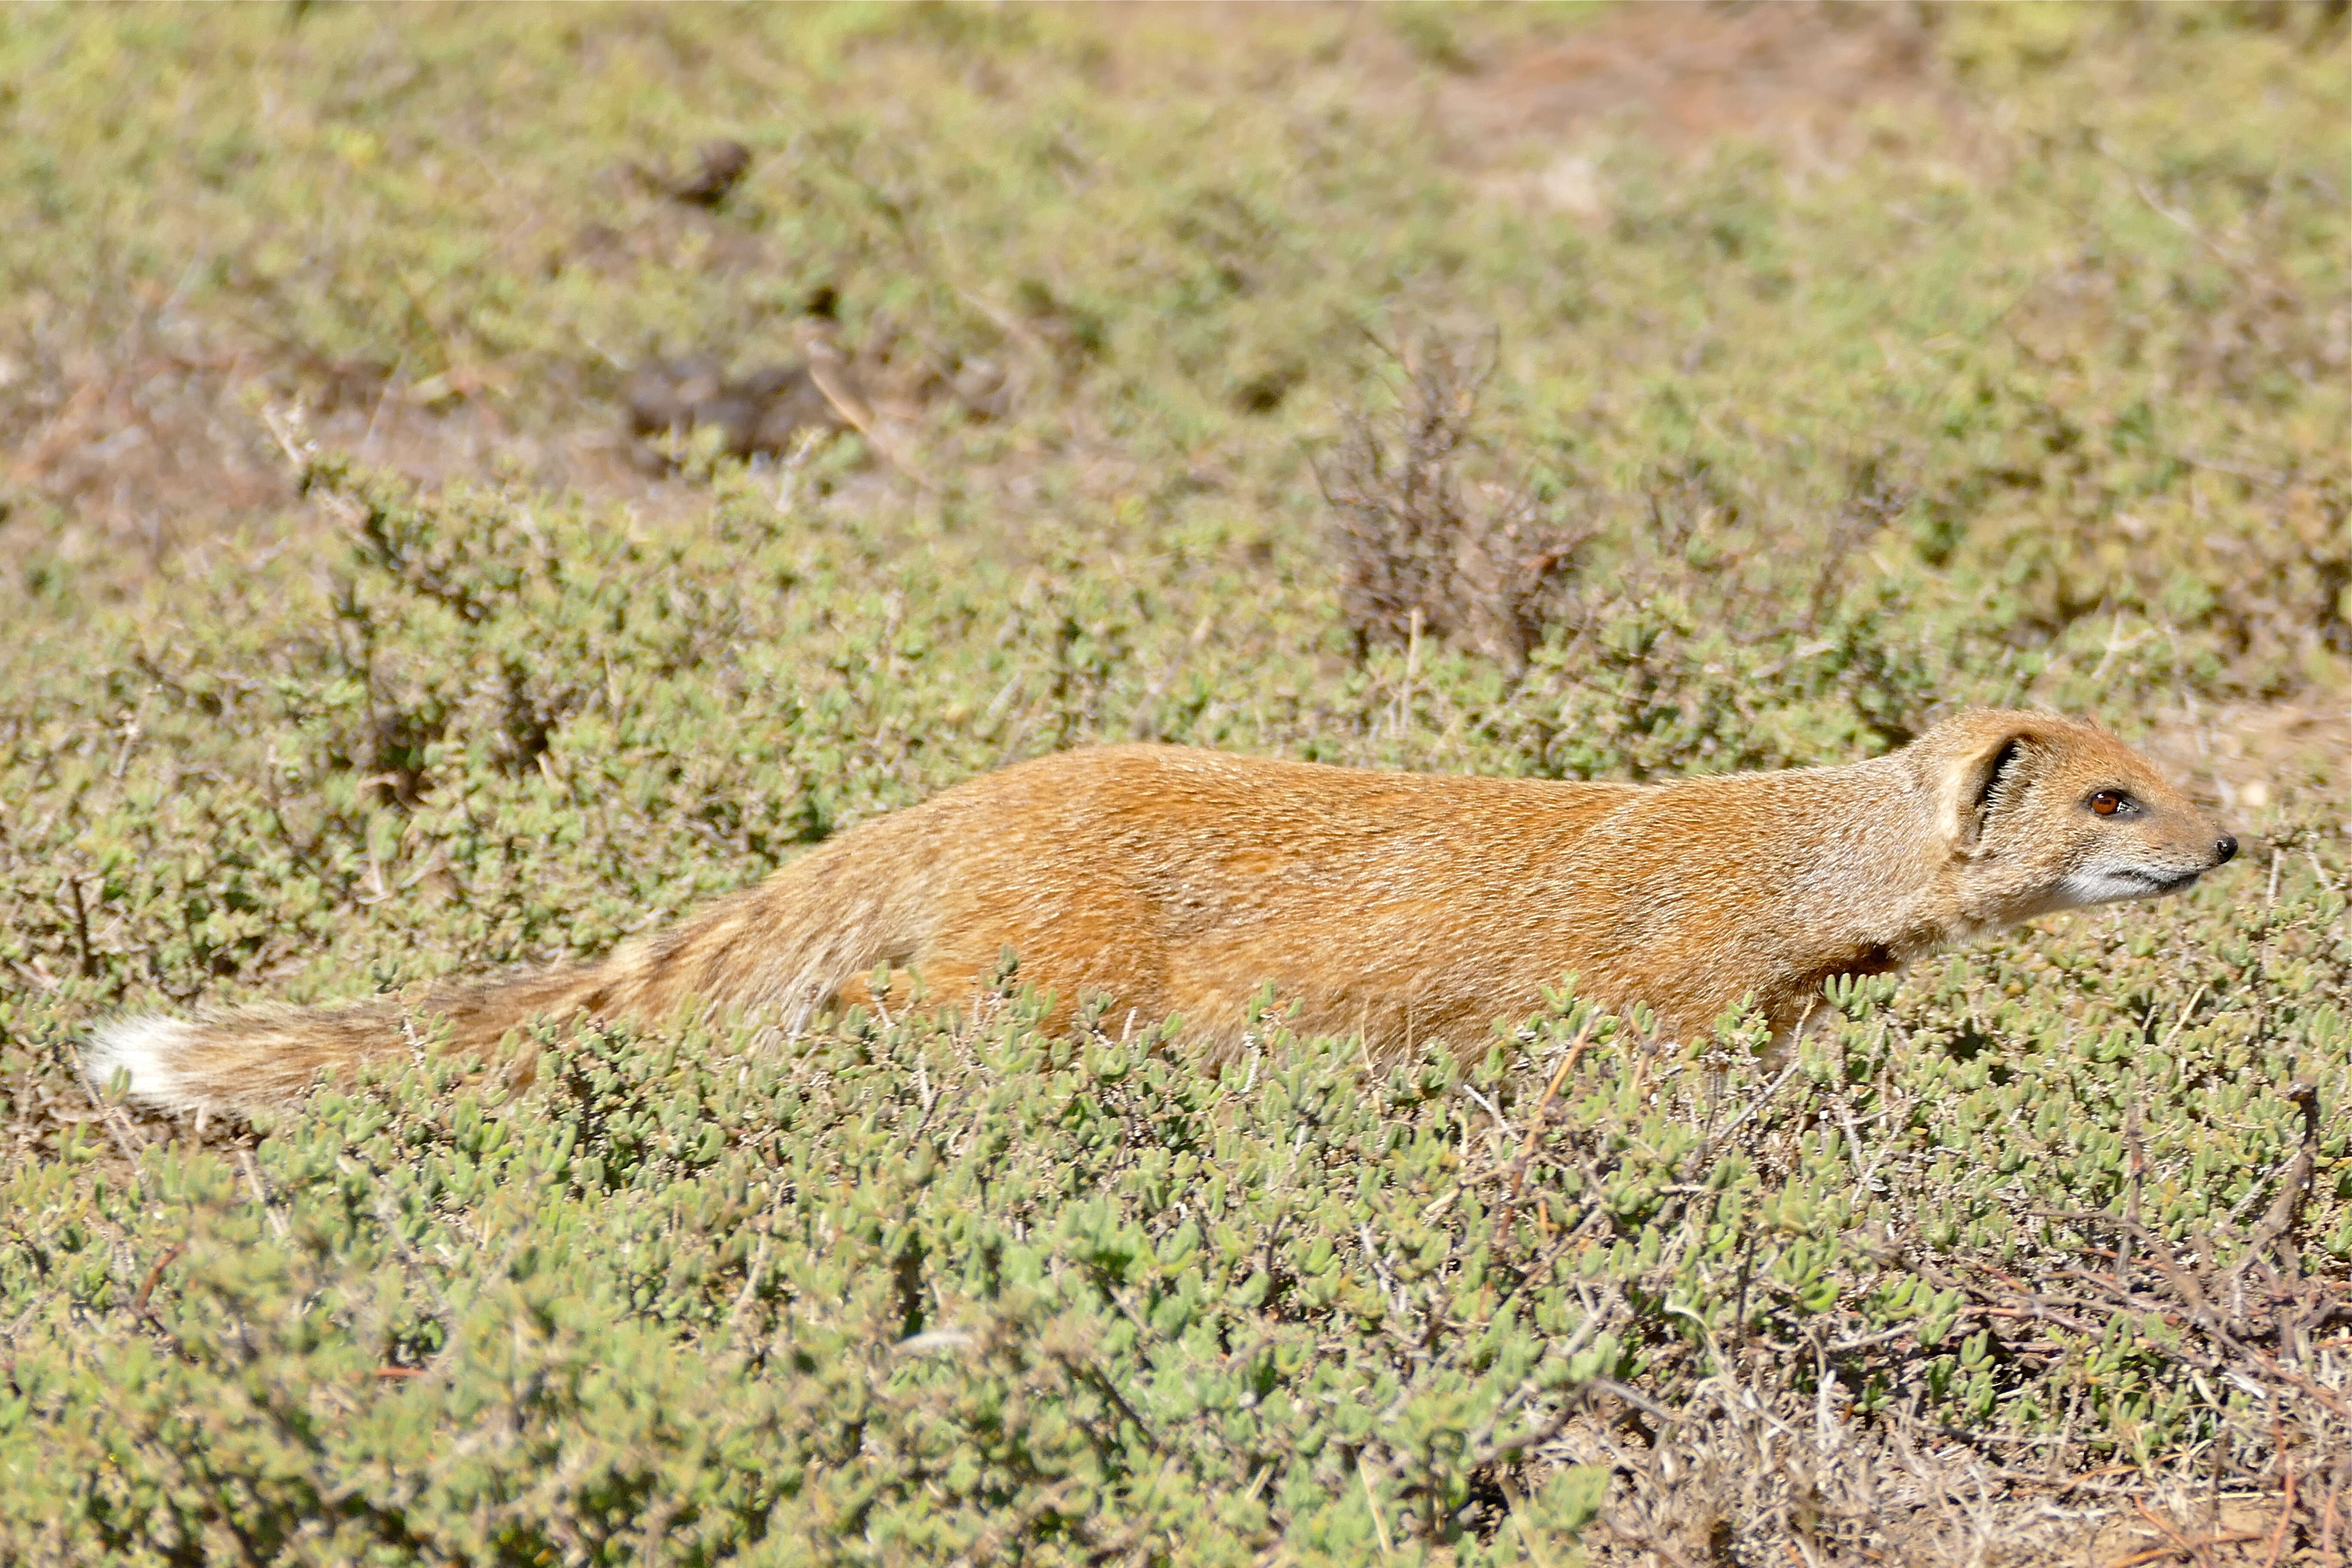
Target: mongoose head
<point x="2041" y="813"/>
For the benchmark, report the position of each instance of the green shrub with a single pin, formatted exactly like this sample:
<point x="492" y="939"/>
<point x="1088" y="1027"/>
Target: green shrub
<point x="2040" y="403"/>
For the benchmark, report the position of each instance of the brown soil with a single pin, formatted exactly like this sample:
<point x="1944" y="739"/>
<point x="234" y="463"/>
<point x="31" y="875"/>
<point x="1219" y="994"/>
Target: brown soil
<point x="2220" y="1531"/>
<point x="1686" y="75"/>
<point x="2249" y="759"/>
<point x="153" y="440"/>
<point x="156" y="441"/>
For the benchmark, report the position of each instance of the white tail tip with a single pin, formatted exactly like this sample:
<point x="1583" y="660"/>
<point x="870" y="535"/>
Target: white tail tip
<point x="145" y="1048"/>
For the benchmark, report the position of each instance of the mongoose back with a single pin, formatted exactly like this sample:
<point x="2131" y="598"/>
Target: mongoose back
<point x="1402" y="908"/>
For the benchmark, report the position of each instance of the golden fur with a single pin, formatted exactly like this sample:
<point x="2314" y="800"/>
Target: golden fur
<point x="1400" y="907"/>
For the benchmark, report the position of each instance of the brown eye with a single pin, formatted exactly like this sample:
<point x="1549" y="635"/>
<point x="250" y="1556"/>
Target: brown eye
<point x="2106" y="803"/>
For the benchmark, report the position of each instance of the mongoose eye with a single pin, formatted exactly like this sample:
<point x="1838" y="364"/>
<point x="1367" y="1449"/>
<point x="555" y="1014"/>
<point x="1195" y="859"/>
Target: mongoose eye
<point x="2108" y="803"/>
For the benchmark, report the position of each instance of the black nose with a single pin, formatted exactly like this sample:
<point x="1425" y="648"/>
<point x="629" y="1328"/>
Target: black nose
<point x="2227" y="848"/>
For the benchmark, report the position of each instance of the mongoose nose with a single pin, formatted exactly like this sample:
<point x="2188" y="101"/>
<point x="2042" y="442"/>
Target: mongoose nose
<point x="2226" y="848"/>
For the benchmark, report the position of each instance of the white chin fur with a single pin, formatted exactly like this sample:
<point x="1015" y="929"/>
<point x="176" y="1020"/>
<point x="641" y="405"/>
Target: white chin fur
<point x="145" y="1048"/>
<point x="2107" y="887"/>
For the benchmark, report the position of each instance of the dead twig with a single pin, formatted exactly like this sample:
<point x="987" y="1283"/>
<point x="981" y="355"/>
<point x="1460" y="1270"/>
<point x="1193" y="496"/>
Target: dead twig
<point x="829" y="373"/>
<point x="2192" y="1548"/>
<point x="154" y="1277"/>
<point x="2195" y="1550"/>
<point x="1551" y="1090"/>
<point x="2286" y="1518"/>
<point x="2280" y="1218"/>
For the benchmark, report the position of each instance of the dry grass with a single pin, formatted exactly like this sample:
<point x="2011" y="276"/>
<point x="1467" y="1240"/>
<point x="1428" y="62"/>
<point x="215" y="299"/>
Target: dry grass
<point x="1421" y="548"/>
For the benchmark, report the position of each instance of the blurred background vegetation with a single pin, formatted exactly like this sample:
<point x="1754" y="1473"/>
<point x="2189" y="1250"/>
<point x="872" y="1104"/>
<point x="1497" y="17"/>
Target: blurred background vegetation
<point x="474" y="482"/>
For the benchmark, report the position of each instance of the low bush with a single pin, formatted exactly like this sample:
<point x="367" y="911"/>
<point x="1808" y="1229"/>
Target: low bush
<point x="356" y="644"/>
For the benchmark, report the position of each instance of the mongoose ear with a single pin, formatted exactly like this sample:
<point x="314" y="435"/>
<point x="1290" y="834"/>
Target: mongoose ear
<point x="1969" y="781"/>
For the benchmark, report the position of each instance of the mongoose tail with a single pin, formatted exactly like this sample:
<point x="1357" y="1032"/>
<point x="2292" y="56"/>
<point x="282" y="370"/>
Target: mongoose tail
<point x="782" y="949"/>
<point x="1400" y="907"/>
<point x="270" y="1053"/>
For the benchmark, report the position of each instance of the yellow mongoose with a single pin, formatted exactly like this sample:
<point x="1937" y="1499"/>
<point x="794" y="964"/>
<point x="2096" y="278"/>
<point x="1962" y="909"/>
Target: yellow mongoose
<point x="1402" y="906"/>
